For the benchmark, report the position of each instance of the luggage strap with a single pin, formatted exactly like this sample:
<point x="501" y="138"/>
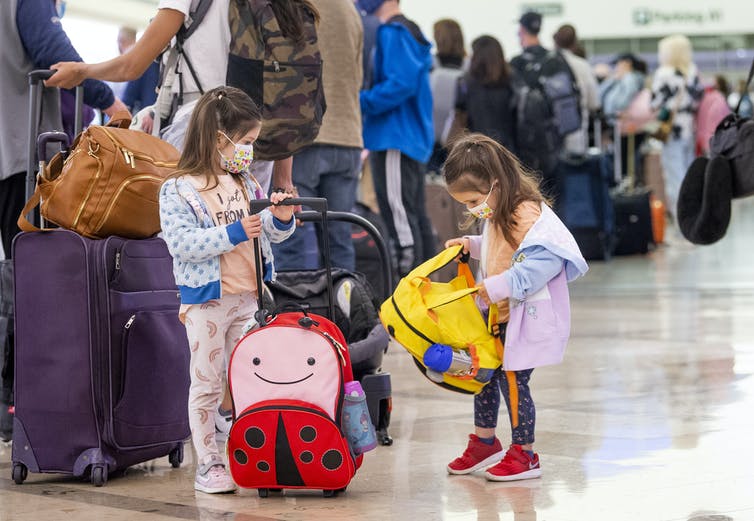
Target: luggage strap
<point x="497" y="331"/>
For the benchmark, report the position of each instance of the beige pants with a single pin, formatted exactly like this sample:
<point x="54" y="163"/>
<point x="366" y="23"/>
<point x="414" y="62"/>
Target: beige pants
<point x="213" y="329"/>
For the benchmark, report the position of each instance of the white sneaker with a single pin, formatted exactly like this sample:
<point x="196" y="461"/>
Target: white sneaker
<point x="223" y="422"/>
<point x="212" y="478"/>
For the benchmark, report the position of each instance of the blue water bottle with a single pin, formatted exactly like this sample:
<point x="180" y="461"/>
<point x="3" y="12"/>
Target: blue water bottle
<point x="441" y="358"/>
<point x="357" y="423"/>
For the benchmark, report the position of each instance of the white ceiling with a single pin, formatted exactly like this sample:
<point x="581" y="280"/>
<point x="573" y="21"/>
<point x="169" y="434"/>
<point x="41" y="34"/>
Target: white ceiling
<point x="134" y="13"/>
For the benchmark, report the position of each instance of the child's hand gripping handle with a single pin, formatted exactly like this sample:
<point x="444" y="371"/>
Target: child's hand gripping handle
<point x="318" y="204"/>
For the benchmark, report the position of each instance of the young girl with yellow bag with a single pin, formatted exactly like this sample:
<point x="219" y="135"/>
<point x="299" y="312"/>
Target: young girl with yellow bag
<point x="527" y="257"/>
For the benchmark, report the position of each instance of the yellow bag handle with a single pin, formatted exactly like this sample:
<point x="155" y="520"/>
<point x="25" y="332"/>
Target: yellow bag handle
<point x="510" y="376"/>
<point x="436" y="263"/>
<point x="419" y="278"/>
<point x="435" y="301"/>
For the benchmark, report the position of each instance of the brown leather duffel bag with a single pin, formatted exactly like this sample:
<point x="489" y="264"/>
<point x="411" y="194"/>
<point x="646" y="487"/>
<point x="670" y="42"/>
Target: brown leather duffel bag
<point x="108" y="184"/>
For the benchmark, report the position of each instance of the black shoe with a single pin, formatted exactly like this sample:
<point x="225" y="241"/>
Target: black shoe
<point x="6" y="422"/>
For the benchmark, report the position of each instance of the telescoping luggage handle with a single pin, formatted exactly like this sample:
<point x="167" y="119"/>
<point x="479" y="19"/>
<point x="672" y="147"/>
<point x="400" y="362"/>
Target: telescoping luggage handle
<point x="319" y="205"/>
<point x="387" y="288"/>
<point x="36" y="78"/>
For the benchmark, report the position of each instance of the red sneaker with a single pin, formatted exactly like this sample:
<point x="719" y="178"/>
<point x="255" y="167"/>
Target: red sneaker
<point x="516" y="465"/>
<point x="478" y="455"/>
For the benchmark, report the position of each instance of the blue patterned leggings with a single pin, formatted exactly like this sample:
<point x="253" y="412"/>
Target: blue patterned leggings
<point x="487" y="406"/>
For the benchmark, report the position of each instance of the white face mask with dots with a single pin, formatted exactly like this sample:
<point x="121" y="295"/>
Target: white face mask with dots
<point x="241" y="160"/>
<point x="483" y="210"/>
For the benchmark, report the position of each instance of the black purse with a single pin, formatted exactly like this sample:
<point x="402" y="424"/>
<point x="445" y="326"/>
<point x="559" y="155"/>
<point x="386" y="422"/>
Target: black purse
<point x="704" y="200"/>
<point x="733" y="140"/>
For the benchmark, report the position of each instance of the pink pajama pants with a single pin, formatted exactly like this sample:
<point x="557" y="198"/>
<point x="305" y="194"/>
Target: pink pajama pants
<point x="213" y="329"/>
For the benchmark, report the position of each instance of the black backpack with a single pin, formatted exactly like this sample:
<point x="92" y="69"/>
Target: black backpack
<point x="355" y="304"/>
<point x="548" y="109"/>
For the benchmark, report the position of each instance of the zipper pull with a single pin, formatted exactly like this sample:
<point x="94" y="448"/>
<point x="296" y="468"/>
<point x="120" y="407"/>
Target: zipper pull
<point x="133" y="160"/>
<point x="276" y="64"/>
<point x="117" y="261"/>
<point x="92" y="149"/>
<point x="125" y="156"/>
<point x="130" y="321"/>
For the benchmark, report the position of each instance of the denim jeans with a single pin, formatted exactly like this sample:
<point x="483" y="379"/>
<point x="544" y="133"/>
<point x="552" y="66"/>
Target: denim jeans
<point x="331" y="172"/>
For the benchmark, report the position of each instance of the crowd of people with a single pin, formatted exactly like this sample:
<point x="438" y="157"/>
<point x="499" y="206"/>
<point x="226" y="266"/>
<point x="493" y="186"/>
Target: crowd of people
<point x="388" y="93"/>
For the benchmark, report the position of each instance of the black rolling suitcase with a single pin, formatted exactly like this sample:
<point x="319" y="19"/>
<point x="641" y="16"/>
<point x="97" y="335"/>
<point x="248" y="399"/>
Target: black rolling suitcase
<point x="633" y="210"/>
<point x="633" y="221"/>
<point x="354" y="310"/>
<point x="585" y="206"/>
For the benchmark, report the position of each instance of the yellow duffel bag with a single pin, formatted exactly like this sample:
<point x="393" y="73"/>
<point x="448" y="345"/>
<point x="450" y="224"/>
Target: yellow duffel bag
<point x="421" y="313"/>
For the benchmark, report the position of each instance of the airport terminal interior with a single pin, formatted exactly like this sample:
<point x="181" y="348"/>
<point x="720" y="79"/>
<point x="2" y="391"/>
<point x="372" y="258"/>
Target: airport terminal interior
<point x="649" y="418"/>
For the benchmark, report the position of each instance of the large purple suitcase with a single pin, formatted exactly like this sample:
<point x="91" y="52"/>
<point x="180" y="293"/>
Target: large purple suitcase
<point x="102" y="361"/>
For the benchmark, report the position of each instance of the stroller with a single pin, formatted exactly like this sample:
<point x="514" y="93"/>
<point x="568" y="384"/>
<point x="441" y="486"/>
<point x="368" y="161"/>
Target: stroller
<point x="356" y="315"/>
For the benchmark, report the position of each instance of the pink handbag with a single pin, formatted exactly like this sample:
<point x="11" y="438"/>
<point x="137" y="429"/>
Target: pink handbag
<point x="638" y="113"/>
<point x="712" y="110"/>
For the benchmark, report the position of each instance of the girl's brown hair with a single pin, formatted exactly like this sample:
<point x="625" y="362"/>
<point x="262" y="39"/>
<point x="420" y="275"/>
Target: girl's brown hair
<point x="222" y="109"/>
<point x="488" y="65"/>
<point x="449" y="39"/>
<point x="476" y="161"/>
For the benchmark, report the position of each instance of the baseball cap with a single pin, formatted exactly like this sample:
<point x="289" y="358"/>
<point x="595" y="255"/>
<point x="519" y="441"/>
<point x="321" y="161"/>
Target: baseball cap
<point x="627" y="56"/>
<point x="531" y="21"/>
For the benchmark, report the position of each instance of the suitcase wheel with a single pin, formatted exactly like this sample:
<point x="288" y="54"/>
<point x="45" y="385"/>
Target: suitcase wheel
<point x="263" y="492"/>
<point x="329" y="493"/>
<point x="99" y="475"/>
<point x="176" y="457"/>
<point x="19" y="473"/>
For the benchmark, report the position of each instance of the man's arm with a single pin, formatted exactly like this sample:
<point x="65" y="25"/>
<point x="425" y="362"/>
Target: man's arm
<point x="46" y="43"/>
<point x="128" y="66"/>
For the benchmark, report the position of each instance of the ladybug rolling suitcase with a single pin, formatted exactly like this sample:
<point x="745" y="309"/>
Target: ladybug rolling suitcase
<point x="287" y="380"/>
<point x="356" y="305"/>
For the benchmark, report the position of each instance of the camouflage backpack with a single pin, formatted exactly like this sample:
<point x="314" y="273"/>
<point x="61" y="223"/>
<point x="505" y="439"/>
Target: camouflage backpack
<point x="282" y="76"/>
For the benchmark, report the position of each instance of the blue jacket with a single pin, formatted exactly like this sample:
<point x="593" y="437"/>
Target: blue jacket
<point x="397" y="109"/>
<point x="46" y="44"/>
<point x="196" y="244"/>
<point x="142" y="92"/>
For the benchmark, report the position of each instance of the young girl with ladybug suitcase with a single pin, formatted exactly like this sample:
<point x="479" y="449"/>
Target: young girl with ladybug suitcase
<point x="289" y="380"/>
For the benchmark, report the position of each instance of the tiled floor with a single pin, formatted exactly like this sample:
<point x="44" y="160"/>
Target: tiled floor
<point x="651" y="417"/>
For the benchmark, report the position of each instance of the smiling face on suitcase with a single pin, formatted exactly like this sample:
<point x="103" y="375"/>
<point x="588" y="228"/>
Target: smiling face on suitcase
<point x="285" y="363"/>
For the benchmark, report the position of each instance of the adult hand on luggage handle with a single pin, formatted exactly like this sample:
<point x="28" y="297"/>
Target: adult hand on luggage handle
<point x="68" y="75"/>
<point x="117" y="106"/>
<point x="252" y="225"/>
<point x="283" y="213"/>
